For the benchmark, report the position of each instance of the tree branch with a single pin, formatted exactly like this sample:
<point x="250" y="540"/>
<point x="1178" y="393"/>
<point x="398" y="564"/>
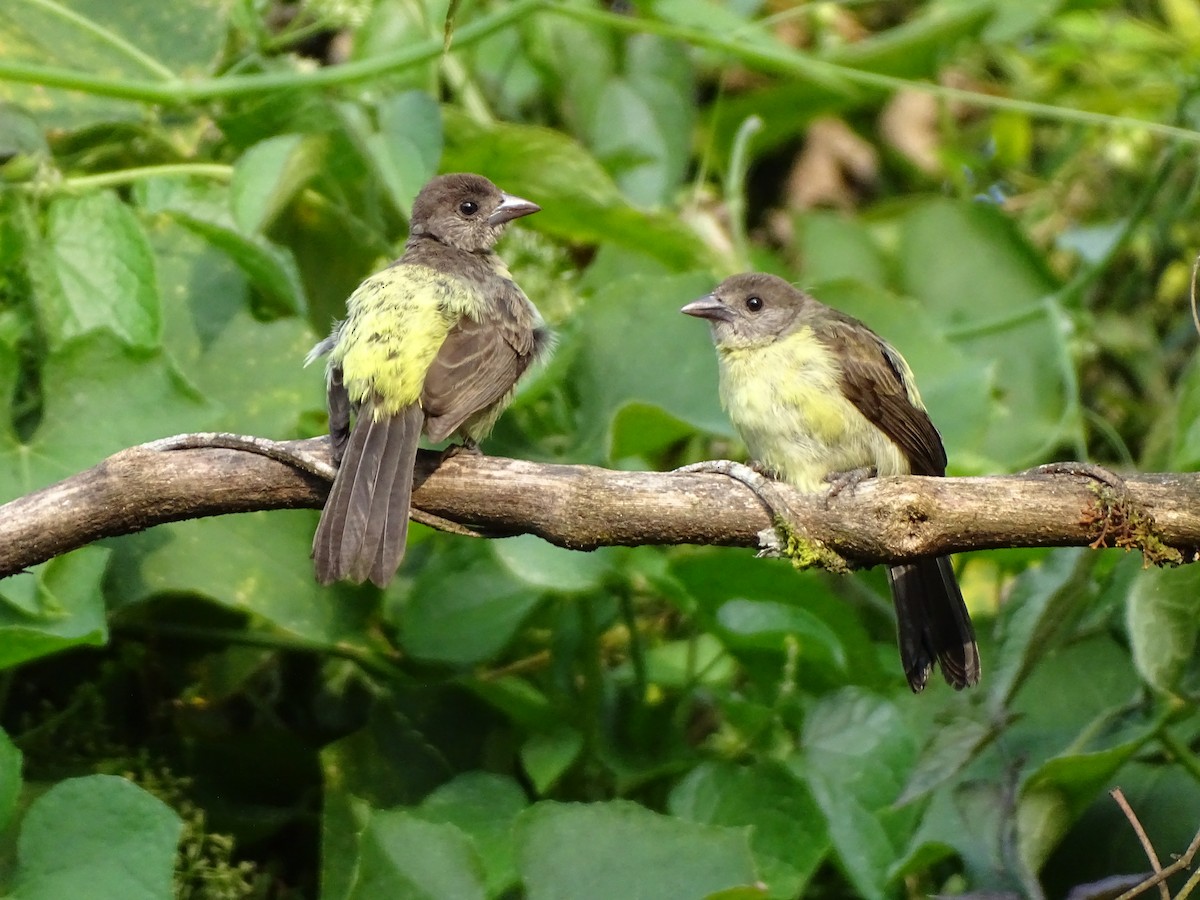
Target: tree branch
<point x="584" y="507"/>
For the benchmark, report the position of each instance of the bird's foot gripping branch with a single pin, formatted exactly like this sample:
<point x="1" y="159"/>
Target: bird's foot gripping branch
<point x="786" y="537"/>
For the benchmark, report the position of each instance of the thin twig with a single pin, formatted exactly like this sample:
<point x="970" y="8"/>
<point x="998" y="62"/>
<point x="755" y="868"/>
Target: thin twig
<point x="1119" y="795"/>
<point x="1195" y="314"/>
<point x="1183" y="862"/>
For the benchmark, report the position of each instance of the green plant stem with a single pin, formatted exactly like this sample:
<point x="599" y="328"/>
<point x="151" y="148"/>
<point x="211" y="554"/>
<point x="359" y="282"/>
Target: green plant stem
<point x="178" y="92"/>
<point x="1017" y="317"/>
<point x="592" y="690"/>
<point x="292" y="36"/>
<point x="1181" y="751"/>
<point x="735" y="188"/>
<point x="1072" y="417"/>
<point x="213" y="171"/>
<point x="1031" y="108"/>
<point x="1110" y="434"/>
<point x="765" y="54"/>
<point x="114" y="41"/>
<point x="637" y="652"/>
<point x="842" y="78"/>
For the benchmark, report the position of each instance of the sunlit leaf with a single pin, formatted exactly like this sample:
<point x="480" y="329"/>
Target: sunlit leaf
<point x="95" y="272"/>
<point x="402" y="855"/>
<point x="621" y="849"/>
<point x="483" y="806"/>
<point x="789" y="839"/>
<point x="269" y="174"/>
<point x="100" y="837"/>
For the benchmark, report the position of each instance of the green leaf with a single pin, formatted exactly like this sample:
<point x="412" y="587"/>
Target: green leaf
<point x="1184" y="454"/>
<point x="547" y="755"/>
<point x="976" y="273"/>
<point x="135" y="41"/>
<point x="641" y="431"/>
<point x="621" y="849"/>
<point x="97" y="393"/>
<point x="484" y="806"/>
<point x="1014" y="20"/>
<point x="463" y="607"/>
<point x="1074" y="700"/>
<point x="789" y="838"/>
<point x="257" y="563"/>
<point x="407" y="858"/>
<point x="1164" y="797"/>
<point x="545" y="566"/>
<point x="838" y="248"/>
<point x="1163" y="619"/>
<point x="256" y="371"/>
<point x="202" y="290"/>
<point x="579" y="200"/>
<point x="63" y="607"/>
<point x="407" y="145"/>
<point x="397" y="758"/>
<point x="773" y="626"/>
<point x="99" y="837"/>
<point x="1059" y="790"/>
<point x="206" y="210"/>
<point x="10" y="780"/>
<point x="20" y="136"/>
<point x="716" y="576"/>
<point x="340" y="831"/>
<point x="618" y="365"/>
<point x="128" y="39"/>
<point x="951" y="747"/>
<point x="639" y="128"/>
<point x="858" y="753"/>
<point x="583" y="58"/>
<point x="714" y="17"/>
<point x="970" y="821"/>
<point x="94" y="271"/>
<point x="268" y="175"/>
<point x="1045" y="600"/>
<point x="268" y="267"/>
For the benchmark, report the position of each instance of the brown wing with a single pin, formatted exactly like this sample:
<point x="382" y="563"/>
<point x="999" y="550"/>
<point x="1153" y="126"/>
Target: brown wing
<point x="875" y="379"/>
<point x="478" y="364"/>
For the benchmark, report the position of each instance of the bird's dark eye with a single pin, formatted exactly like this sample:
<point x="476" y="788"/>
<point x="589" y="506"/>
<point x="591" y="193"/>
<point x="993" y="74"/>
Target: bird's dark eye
<point x="754" y="304"/>
<point x="468" y="207"/>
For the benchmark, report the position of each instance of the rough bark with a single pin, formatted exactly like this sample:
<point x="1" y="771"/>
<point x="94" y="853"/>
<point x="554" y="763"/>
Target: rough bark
<point x="583" y="507"/>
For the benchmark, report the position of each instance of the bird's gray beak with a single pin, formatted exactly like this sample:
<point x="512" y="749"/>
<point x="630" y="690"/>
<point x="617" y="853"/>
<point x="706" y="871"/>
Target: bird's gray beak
<point x="708" y="307"/>
<point x="512" y="208"/>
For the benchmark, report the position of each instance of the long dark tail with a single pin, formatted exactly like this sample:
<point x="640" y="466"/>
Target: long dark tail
<point x="933" y="623"/>
<point x="364" y="526"/>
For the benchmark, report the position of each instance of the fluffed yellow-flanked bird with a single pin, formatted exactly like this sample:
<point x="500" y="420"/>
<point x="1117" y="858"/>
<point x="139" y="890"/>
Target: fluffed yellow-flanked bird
<point x="815" y="393"/>
<point x="436" y="343"/>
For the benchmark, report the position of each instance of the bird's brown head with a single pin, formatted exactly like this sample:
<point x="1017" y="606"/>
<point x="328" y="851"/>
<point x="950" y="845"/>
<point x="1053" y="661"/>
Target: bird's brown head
<point x="466" y="211"/>
<point x="750" y="310"/>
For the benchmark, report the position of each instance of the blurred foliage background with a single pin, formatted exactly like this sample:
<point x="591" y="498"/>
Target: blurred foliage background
<point x="188" y="192"/>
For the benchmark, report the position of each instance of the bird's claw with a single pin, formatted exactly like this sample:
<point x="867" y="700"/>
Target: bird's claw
<point x="468" y="447"/>
<point x="1096" y="473"/>
<point x="849" y="480"/>
<point x="770" y="540"/>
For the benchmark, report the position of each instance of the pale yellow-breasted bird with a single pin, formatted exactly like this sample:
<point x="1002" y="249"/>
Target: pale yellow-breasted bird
<point x="817" y="396"/>
<point x="434" y="343"/>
